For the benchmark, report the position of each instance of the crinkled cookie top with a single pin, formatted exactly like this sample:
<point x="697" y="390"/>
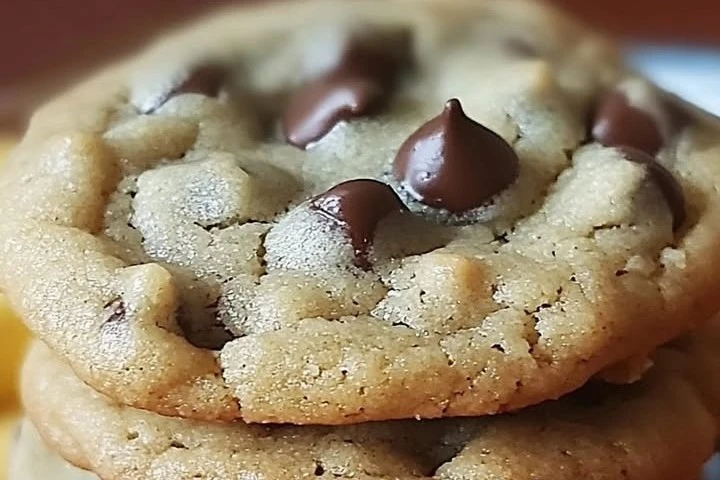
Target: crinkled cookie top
<point x="334" y="212"/>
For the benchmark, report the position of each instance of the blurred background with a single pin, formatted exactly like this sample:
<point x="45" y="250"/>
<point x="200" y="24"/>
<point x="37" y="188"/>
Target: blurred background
<point x="45" y="45"/>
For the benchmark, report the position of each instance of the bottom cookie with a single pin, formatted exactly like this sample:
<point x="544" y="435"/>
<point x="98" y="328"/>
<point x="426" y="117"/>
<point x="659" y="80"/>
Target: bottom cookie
<point x="662" y="428"/>
<point x="31" y="459"/>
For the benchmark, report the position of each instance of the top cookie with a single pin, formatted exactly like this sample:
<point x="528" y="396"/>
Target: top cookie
<point x="371" y="210"/>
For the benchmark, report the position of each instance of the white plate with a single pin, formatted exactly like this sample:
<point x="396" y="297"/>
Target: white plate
<point x="690" y="72"/>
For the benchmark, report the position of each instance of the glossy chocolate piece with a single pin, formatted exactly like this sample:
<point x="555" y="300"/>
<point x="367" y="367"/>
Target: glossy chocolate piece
<point x="318" y="107"/>
<point x="666" y="182"/>
<point x="617" y="123"/>
<point x="358" y="85"/>
<point x="454" y="163"/>
<point x="358" y="206"/>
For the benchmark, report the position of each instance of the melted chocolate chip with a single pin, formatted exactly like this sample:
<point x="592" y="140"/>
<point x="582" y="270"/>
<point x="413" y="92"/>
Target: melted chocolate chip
<point x="617" y="123"/>
<point x="454" y="163"/>
<point x="668" y="185"/>
<point x="318" y="107"/>
<point x="205" y="80"/>
<point x="372" y="59"/>
<point x="357" y="85"/>
<point x="358" y="206"/>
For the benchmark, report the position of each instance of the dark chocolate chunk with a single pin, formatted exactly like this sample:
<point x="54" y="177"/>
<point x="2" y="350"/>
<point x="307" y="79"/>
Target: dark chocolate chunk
<point x="318" y="107"/>
<point x="454" y="163"/>
<point x="359" y="84"/>
<point x="372" y="59"/>
<point x="668" y="185"/>
<point x="617" y="123"/>
<point x="206" y="80"/>
<point x="358" y="206"/>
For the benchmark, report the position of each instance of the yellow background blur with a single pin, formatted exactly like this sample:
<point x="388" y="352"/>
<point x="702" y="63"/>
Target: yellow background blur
<point x="12" y="345"/>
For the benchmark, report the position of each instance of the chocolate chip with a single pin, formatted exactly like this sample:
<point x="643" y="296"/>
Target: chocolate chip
<point x="115" y="311"/>
<point x="358" y="206"/>
<point x="454" y="163"/>
<point x="668" y="185"/>
<point x="318" y="107"/>
<point x="380" y="59"/>
<point x="205" y="80"/>
<point x="617" y="123"/>
<point x="357" y="85"/>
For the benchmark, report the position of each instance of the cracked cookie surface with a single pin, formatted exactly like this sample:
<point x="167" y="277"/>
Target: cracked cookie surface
<point x="330" y="213"/>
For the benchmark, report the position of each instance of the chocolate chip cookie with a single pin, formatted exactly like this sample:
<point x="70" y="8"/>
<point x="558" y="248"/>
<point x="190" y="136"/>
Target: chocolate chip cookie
<point x="334" y="212"/>
<point x="662" y="427"/>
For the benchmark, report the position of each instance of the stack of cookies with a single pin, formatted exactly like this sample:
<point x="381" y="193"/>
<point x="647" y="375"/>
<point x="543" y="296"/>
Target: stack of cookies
<point x="400" y="239"/>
